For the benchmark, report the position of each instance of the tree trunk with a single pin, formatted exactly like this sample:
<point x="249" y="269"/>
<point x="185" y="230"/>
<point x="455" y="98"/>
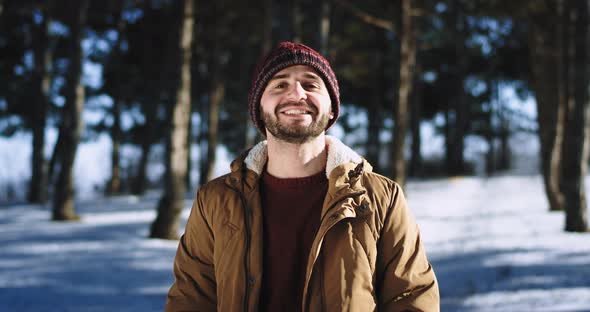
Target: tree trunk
<point x="114" y="184"/>
<point x="203" y="144"/>
<point x="189" y="142"/>
<point x="504" y="161"/>
<point x="324" y="29"/>
<point x="216" y="96"/>
<point x="458" y="110"/>
<point x="491" y="154"/>
<point x="267" y="33"/>
<point x="416" y="117"/>
<point x="152" y="89"/>
<point x="490" y="136"/>
<point x="448" y="138"/>
<point x="147" y="139"/>
<point x="252" y="134"/>
<point x="284" y="29"/>
<point x="575" y="158"/>
<point x="566" y="94"/>
<point x="416" y="99"/>
<point x="406" y="78"/>
<point x="375" y="107"/>
<point x="296" y="20"/>
<point x="54" y="160"/>
<point x="140" y="179"/>
<point x="172" y="202"/>
<point x="504" y="134"/>
<point x="461" y="113"/>
<point x="503" y="131"/>
<point x="72" y="124"/>
<point x="42" y="81"/>
<point x="373" y="143"/>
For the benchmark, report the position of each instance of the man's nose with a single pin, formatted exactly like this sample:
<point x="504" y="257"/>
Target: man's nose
<point x="297" y="92"/>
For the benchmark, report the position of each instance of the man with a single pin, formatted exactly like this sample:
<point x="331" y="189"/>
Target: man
<point x="301" y="223"/>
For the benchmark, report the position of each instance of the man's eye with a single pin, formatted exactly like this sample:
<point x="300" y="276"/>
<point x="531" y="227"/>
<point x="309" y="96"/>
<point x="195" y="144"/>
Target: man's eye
<point x="311" y="86"/>
<point x="280" y="86"/>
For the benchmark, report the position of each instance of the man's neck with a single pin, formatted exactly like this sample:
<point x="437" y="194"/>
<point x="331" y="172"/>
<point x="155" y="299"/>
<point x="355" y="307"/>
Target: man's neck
<point x="288" y="160"/>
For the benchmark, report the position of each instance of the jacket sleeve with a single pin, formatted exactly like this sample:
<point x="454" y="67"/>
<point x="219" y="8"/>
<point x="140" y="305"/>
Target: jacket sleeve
<point x="194" y="287"/>
<point x="405" y="280"/>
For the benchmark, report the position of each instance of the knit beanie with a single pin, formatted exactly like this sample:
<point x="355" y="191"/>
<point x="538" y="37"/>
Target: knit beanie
<point x="284" y="55"/>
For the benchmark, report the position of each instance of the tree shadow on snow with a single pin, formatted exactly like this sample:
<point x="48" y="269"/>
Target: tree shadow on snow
<point x="461" y="276"/>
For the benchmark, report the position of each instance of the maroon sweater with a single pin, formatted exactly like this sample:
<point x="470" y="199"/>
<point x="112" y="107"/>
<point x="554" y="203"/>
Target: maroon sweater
<point x="291" y="217"/>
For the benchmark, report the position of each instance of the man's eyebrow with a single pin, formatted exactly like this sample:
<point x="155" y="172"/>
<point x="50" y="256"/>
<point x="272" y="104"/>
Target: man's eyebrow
<point x="312" y="76"/>
<point x="281" y="76"/>
<point x="306" y="75"/>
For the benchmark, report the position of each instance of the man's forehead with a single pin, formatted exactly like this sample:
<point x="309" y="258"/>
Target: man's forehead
<point x="304" y="70"/>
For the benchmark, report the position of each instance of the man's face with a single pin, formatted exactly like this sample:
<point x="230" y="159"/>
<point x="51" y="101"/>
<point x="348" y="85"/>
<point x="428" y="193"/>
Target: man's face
<point x="296" y="105"/>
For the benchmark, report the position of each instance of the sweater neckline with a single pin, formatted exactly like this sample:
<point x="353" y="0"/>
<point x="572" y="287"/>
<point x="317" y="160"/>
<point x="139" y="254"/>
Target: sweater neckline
<point x="276" y="183"/>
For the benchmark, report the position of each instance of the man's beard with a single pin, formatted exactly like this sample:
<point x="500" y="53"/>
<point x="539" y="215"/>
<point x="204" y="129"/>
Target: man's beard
<point x="295" y="134"/>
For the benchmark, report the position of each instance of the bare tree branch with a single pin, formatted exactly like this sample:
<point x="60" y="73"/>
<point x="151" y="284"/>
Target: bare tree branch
<point x="366" y="17"/>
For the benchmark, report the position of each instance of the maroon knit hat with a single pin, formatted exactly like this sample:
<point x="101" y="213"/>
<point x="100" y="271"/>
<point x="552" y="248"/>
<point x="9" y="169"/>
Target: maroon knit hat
<point x="284" y="55"/>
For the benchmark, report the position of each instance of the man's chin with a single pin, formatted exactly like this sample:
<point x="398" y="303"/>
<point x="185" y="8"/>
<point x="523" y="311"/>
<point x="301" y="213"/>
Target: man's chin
<point x="295" y="131"/>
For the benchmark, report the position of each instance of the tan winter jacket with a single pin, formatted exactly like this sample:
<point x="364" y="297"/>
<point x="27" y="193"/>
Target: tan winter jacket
<point x="367" y="254"/>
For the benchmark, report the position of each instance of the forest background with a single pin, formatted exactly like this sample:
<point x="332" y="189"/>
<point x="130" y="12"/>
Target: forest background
<point x="168" y="79"/>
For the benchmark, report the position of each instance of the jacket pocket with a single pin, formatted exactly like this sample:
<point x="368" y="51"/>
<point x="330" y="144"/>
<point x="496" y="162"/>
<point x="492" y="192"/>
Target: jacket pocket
<point x="228" y="233"/>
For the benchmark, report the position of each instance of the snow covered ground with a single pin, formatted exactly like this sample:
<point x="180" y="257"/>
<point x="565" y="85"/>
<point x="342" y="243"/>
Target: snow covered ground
<point x="492" y="242"/>
<point x="495" y="247"/>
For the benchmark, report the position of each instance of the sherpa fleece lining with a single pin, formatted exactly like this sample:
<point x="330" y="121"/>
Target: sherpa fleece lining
<point x="338" y="154"/>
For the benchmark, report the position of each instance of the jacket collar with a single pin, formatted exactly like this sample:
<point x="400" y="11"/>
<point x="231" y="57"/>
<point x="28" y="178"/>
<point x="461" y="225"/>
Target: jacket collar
<point x="344" y="169"/>
<point x="338" y="154"/>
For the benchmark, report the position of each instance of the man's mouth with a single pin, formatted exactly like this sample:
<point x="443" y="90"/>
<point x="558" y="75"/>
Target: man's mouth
<point x="296" y="112"/>
<point x="296" y="109"/>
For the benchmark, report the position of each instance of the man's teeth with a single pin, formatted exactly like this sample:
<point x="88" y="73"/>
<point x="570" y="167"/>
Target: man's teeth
<point x="296" y="112"/>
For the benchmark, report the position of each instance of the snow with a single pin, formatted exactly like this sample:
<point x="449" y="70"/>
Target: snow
<point x="495" y="247"/>
<point x="492" y="242"/>
<point x="104" y="263"/>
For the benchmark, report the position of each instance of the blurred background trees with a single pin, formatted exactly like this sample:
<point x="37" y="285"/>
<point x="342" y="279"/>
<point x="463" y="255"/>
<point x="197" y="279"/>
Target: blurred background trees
<point x="169" y="78"/>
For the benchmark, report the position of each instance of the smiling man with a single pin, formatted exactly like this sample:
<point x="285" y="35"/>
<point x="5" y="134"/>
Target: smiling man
<point x="301" y="223"/>
<point x="291" y="95"/>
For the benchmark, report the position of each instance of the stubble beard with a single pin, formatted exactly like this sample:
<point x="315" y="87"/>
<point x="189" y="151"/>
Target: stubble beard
<point x="293" y="133"/>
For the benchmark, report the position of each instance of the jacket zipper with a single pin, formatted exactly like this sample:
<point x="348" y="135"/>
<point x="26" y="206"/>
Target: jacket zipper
<point x="248" y="238"/>
<point x="247" y="251"/>
<point x="308" y="278"/>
